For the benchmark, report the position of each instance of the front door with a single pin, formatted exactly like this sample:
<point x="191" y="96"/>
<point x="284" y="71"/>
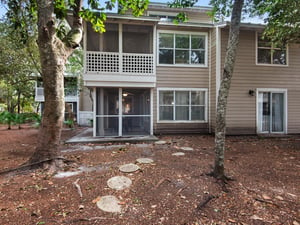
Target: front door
<point x="271" y="112"/>
<point x="123" y="111"/>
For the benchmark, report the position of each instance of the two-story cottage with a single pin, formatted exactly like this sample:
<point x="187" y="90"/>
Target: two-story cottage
<point x="148" y="75"/>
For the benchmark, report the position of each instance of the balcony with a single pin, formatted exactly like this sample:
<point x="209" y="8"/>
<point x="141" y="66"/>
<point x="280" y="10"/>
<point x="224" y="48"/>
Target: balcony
<point x="119" y="67"/>
<point x="122" y="56"/>
<point x="119" y="63"/>
<point x="71" y="95"/>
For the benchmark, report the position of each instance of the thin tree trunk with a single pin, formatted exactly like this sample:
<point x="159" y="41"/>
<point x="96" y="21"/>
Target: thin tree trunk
<point x="230" y="57"/>
<point x="19" y="109"/>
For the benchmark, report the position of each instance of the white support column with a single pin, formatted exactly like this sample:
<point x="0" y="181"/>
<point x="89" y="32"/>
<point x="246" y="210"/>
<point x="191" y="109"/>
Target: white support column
<point x="154" y="50"/>
<point x="120" y="112"/>
<point x="94" y="111"/>
<point x="101" y="112"/>
<point x="151" y="111"/>
<point x="120" y="47"/>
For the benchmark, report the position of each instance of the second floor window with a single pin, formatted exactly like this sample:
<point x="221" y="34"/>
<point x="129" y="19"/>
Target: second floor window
<point x="182" y="48"/>
<point x="269" y="53"/>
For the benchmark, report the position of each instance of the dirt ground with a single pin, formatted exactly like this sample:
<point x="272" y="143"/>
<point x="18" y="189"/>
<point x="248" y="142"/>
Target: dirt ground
<point x="172" y="190"/>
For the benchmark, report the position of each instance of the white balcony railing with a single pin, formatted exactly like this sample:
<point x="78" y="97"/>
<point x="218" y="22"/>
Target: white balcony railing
<point x="119" y="63"/>
<point x="70" y="94"/>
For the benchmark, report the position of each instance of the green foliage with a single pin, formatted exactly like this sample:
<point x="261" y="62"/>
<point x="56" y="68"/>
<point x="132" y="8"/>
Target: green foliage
<point x="282" y="18"/>
<point x="7" y="118"/>
<point x="137" y="7"/>
<point x="69" y="123"/>
<point x="18" y="63"/>
<point x="21" y="118"/>
<point x="181" y="17"/>
<point x="22" y="17"/>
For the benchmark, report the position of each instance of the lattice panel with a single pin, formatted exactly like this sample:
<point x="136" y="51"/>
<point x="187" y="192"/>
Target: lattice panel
<point x="102" y="62"/>
<point x="138" y="64"/>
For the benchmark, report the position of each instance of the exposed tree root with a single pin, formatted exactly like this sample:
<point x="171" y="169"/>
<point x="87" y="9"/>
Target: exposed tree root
<point x="205" y="201"/>
<point x="50" y="165"/>
<point x="222" y="180"/>
<point x="86" y="220"/>
<point x="78" y="187"/>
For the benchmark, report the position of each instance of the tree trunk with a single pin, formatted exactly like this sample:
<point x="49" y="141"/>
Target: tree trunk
<point x="230" y="57"/>
<point x="19" y="108"/>
<point x="53" y="56"/>
<point x="52" y="59"/>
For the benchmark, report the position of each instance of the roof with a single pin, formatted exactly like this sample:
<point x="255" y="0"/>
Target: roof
<point x="244" y="26"/>
<point x="130" y="17"/>
<point x="165" y="7"/>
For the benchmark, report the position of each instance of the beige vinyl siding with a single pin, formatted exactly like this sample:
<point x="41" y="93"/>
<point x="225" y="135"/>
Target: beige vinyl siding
<point x="212" y="116"/>
<point x="196" y="17"/>
<point x="241" y="109"/>
<point x="180" y="77"/>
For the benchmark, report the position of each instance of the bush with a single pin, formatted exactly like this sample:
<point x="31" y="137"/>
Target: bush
<point x="15" y="118"/>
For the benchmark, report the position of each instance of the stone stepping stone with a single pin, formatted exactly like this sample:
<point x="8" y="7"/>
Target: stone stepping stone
<point x="187" y="149"/>
<point x="160" y="142"/>
<point x="144" y="160"/>
<point x="119" y="183"/>
<point x="67" y="174"/>
<point x="178" y="154"/>
<point x="109" y="203"/>
<point x="129" y="168"/>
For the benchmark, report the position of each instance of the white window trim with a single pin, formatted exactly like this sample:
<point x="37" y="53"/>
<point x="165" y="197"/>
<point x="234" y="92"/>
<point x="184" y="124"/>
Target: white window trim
<point x="285" y="120"/>
<point x="182" y="121"/>
<point x="183" y="32"/>
<point x="269" y="64"/>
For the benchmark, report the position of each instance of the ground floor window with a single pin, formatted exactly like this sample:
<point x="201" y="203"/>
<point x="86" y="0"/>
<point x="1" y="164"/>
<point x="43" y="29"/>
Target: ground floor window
<point x="182" y="105"/>
<point x="271" y="111"/>
<point x="123" y="111"/>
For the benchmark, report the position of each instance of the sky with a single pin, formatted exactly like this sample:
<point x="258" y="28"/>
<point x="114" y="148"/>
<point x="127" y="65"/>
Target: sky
<point x="199" y="3"/>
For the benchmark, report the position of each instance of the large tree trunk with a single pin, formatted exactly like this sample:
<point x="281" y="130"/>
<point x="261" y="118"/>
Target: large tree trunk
<point x="53" y="60"/>
<point x="53" y="56"/>
<point x="230" y="57"/>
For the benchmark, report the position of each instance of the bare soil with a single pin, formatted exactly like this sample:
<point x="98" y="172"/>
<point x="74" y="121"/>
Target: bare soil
<point x="172" y="190"/>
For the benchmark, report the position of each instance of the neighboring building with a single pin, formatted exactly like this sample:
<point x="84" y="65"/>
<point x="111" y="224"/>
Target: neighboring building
<point x="150" y="76"/>
<point x="71" y="96"/>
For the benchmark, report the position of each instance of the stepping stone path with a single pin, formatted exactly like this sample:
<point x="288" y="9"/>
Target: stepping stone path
<point x="187" y="149"/>
<point x="178" y="154"/>
<point x="129" y="168"/>
<point x="160" y="142"/>
<point x="119" y="183"/>
<point x="145" y="160"/>
<point x="109" y="203"/>
<point x="67" y="174"/>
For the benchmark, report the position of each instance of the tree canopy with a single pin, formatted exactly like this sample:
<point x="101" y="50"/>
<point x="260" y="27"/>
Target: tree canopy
<point x="282" y="18"/>
<point x="18" y="64"/>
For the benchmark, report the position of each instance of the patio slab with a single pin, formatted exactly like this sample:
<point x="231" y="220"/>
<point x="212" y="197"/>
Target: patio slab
<point x="86" y="136"/>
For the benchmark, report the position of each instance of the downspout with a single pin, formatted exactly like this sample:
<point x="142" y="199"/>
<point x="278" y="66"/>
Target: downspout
<point x="209" y="82"/>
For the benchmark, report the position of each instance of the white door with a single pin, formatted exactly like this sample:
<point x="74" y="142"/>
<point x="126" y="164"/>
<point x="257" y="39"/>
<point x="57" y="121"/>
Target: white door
<point x="271" y="114"/>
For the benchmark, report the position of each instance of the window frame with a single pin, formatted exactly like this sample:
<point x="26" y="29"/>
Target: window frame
<point x="205" y="34"/>
<point x="272" y="48"/>
<point x="190" y="90"/>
